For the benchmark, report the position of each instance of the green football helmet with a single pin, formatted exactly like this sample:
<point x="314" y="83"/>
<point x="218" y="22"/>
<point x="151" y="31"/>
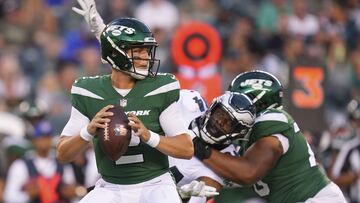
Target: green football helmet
<point x="122" y="35"/>
<point x="263" y="88"/>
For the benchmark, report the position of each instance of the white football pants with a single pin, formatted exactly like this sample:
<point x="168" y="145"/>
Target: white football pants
<point x="329" y="194"/>
<point x="161" y="189"/>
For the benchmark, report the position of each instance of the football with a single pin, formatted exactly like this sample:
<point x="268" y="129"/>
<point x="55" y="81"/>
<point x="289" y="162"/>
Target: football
<point x="115" y="138"/>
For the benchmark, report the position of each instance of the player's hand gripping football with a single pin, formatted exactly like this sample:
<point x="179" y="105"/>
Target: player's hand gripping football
<point x="139" y="128"/>
<point x="91" y="15"/>
<point x="198" y="189"/>
<point x="100" y="119"/>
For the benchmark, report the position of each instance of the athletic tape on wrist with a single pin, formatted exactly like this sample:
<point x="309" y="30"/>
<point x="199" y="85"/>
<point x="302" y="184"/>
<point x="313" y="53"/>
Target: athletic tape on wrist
<point x="85" y="135"/>
<point x="154" y="139"/>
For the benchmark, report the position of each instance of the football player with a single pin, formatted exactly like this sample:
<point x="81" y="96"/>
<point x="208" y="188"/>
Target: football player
<point x="142" y="174"/>
<point x="278" y="161"/>
<point x="194" y="106"/>
<point x="193" y="177"/>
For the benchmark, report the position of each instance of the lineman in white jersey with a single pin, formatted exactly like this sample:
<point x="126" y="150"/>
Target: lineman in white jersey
<point x="186" y="171"/>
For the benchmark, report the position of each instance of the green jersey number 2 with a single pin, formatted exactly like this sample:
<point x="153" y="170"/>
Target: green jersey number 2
<point x="131" y="159"/>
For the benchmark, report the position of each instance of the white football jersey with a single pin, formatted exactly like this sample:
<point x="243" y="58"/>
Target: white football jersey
<point x="193" y="106"/>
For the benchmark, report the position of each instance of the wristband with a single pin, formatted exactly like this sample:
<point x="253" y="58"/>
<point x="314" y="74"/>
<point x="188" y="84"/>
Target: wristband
<point x="85" y="135"/>
<point x="154" y="139"/>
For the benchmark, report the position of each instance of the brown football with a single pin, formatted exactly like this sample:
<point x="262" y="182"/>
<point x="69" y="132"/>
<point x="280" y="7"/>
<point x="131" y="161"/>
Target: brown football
<point x="115" y="138"/>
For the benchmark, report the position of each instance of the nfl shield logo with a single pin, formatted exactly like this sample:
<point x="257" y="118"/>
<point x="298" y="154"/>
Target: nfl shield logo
<point x="123" y="102"/>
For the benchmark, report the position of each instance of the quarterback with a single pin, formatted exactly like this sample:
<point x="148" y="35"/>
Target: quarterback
<point x="142" y="174"/>
<point x="278" y="161"/>
<point x="193" y="178"/>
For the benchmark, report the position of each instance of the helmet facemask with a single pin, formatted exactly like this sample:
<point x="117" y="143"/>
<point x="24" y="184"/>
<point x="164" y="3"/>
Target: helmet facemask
<point x="225" y="122"/>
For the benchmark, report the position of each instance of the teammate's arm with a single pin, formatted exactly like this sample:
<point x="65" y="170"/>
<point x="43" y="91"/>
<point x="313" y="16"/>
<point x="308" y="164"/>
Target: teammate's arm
<point x="69" y="146"/>
<point x="251" y="167"/>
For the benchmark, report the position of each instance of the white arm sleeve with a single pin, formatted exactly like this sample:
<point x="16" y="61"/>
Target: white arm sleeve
<point x="284" y="142"/>
<point x="172" y="122"/>
<point x="76" y="122"/>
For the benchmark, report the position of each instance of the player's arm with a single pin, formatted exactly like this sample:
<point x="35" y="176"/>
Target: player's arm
<point x="77" y="134"/>
<point x="92" y="17"/>
<point x="248" y="169"/>
<point x="177" y="142"/>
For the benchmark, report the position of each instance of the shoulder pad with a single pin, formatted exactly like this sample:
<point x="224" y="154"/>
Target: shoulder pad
<point x="84" y="81"/>
<point x="166" y="77"/>
<point x="271" y="122"/>
<point x="88" y="86"/>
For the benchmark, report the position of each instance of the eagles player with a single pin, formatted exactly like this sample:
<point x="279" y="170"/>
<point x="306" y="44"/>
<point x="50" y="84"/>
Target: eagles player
<point x="150" y="99"/>
<point x="278" y="162"/>
<point x="193" y="106"/>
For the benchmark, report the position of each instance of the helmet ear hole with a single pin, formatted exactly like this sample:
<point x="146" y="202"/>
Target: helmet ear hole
<point x="113" y="54"/>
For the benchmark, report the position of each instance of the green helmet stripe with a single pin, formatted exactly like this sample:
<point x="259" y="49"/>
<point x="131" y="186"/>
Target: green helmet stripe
<point x="259" y="96"/>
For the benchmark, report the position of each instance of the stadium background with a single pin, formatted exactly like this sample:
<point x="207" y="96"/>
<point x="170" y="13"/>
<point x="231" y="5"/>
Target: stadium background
<point x="311" y="46"/>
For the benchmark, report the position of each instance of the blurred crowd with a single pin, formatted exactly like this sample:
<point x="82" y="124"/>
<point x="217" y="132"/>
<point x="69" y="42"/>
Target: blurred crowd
<point x="45" y="46"/>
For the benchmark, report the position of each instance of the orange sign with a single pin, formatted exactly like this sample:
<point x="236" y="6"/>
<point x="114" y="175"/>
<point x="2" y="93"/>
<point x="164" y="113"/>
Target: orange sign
<point x="311" y="96"/>
<point x="209" y="87"/>
<point x="196" y="44"/>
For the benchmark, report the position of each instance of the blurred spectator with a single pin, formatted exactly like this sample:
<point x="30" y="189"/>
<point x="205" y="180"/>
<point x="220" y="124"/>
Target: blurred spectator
<point x="85" y="170"/>
<point x="90" y="62"/>
<point x="118" y="9"/>
<point x="12" y="145"/>
<point x="158" y="14"/>
<point x="163" y="50"/>
<point x="338" y="88"/>
<point x="240" y="50"/>
<point x="54" y="89"/>
<point x="38" y="177"/>
<point x="198" y="10"/>
<point x="302" y="23"/>
<point x="355" y="71"/>
<point x="33" y="111"/>
<point x="269" y="13"/>
<point x="14" y="86"/>
<point x="346" y="169"/>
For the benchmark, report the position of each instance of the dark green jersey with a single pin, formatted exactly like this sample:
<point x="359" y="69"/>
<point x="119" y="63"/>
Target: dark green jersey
<point x="296" y="176"/>
<point x="147" y="99"/>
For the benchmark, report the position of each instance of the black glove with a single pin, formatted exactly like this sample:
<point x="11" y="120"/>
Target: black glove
<point x="201" y="149"/>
